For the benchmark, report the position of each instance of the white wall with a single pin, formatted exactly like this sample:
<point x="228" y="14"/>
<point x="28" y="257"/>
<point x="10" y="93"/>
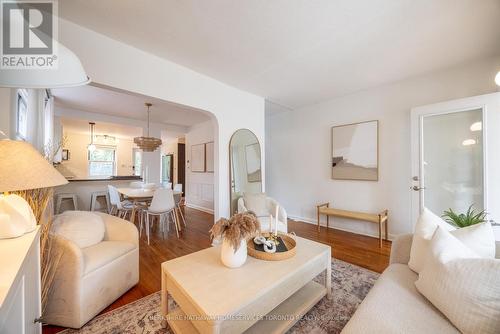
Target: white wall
<point x="5" y="110"/>
<point x="199" y="186"/>
<point x="298" y="146"/>
<point x="112" y="63"/>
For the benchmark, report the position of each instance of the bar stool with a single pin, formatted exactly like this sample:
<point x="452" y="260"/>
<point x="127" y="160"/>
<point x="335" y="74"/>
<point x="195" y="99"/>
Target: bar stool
<point x="65" y="196"/>
<point x="94" y="199"/>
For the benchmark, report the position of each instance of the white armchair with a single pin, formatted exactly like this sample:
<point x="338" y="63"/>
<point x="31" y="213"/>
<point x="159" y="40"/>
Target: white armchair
<point x="264" y="210"/>
<point x="90" y="278"/>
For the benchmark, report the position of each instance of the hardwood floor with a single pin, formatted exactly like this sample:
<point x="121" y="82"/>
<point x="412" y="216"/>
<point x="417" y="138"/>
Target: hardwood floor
<point x="357" y="249"/>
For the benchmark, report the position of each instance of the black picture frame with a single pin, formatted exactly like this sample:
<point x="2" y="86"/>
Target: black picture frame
<point x="65" y="155"/>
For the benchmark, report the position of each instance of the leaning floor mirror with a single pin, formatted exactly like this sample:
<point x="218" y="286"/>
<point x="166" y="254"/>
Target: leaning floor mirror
<point x="245" y="163"/>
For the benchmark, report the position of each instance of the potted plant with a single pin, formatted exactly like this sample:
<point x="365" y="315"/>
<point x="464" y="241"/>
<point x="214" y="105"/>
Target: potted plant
<point x="471" y="217"/>
<point x="234" y="234"/>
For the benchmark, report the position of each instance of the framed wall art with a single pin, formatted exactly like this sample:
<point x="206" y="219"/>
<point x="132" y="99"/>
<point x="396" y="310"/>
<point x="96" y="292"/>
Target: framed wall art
<point x="355" y="151"/>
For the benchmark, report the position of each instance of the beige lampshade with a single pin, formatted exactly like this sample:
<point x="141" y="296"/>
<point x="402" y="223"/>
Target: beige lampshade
<point x="23" y="168"/>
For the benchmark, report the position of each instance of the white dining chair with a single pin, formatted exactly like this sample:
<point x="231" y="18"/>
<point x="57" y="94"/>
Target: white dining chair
<point x="178" y="187"/>
<point x="178" y="201"/>
<point x="161" y="206"/>
<point x="118" y="207"/>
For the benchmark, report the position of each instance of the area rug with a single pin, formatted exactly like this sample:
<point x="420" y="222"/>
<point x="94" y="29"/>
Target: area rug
<point x="350" y="285"/>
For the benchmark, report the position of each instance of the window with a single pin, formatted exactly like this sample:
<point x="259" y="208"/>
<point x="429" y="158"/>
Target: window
<point x="137" y="162"/>
<point x="48" y="123"/>
<point x="22" y="115"/>
<point x="102" y="161"/>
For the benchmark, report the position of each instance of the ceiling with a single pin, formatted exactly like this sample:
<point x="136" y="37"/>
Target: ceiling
<point x="121" y="104"/>
<point x="299" y="52"/>
<point x="83" y="127"/>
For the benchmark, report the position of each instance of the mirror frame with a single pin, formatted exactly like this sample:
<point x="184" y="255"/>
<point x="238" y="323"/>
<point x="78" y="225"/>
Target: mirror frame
<point x="231" y="164"/>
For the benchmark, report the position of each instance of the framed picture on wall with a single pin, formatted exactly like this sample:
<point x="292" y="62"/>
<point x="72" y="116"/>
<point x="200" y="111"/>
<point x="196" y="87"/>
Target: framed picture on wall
<point x="198" y="158"/>
<point x="65" y="155"/>
<point x="209" y="157"/>
<point x="355" y="151"/>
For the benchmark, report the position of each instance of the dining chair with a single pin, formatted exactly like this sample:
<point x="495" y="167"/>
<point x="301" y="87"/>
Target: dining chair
<point x="136" y="184"/>
<point x="118" y="207"/>
<point x="167" y="185"/>
<point x="178" y="201"/>
<point x="162" y="205"/>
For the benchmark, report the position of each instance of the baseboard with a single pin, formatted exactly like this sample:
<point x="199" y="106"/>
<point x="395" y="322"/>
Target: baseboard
<point x="323" y="224"/>
<point x="200" y="208"/>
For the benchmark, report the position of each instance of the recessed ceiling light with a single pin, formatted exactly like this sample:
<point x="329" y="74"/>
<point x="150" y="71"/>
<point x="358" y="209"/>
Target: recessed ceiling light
<point x="468" y="142"/>
<point x="477" y="126"/>
<point x="497" y="78"/>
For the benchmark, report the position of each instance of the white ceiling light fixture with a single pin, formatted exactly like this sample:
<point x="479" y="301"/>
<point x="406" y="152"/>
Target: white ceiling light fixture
<point x="69" y="73"/>
<point x="477" y="126"/>
<point x="497" y="78"/>
<point x="147" y="144"/>
<point x="106" y="140"/>
<point x="91" y="146"/>
<point x="468" y="142"/>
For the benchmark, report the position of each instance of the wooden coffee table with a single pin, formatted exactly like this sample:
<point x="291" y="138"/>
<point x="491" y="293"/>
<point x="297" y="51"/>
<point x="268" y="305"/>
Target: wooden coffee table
<point x="259" y="297"/>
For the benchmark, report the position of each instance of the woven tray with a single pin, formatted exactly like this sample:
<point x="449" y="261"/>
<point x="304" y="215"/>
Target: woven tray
<point x="289" y="241"/>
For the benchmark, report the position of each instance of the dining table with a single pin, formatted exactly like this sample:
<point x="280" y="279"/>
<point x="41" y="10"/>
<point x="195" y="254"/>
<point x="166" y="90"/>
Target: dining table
<point x="141" y="195"/>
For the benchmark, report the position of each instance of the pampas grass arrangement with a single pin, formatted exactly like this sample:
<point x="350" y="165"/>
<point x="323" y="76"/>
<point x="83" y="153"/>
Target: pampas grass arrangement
<point x="240" y="226"/>
<point x="40" y="201"/>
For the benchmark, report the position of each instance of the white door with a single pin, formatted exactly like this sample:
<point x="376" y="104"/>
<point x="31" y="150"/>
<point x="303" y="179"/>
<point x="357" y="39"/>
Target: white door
<point x="456" y="156"/>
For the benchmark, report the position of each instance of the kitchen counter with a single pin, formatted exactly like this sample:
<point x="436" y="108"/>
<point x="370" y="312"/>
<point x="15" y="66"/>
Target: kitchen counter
<point x="83" y="187"/>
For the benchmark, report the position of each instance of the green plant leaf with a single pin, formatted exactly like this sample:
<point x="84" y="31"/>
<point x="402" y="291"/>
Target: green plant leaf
<point x="464" y="219"/>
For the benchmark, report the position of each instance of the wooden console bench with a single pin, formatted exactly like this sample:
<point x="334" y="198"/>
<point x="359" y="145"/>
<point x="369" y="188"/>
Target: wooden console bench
<point x="380" y="218"/>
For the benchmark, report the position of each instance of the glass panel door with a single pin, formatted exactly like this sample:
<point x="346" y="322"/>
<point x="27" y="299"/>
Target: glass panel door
<point x="167" y="168"/>
<point x="452" y="161"/>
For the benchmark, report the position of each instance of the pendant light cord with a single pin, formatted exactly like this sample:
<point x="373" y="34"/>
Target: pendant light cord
<point x="92" y="124"/>
<point x="148" y="121"/>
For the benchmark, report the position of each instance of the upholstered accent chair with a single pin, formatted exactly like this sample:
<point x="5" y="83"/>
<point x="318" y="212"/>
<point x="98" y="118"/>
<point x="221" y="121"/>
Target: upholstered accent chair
<point x="264" y="207"/>
<point x="99" y="262"/>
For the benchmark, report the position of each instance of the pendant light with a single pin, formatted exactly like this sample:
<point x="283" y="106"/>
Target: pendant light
<point x="91" y="146"/>
<point x="147" y="144"/>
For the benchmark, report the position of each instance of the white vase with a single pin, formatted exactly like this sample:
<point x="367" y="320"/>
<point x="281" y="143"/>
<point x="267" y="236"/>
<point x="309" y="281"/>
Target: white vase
<point x="233" y="259"/>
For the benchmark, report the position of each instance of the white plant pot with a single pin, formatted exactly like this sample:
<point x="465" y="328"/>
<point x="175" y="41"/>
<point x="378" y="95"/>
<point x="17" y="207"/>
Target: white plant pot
<point x="233" y="259"/>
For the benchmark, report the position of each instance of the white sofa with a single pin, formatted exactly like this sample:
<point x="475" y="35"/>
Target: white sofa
<point x="394" y="305"/>
<point x="270" y="210"/>
<point x="89" y="279"/>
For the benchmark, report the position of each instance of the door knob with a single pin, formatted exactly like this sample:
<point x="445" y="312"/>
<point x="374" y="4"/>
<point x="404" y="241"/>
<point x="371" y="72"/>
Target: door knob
<point x="417" y="188"/>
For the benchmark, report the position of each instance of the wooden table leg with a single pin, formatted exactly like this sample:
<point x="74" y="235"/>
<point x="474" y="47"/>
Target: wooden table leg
<point x="132" y="214"/>
<point x="318" y="219"/>
<point x="386" y="229"/>
<point x="177" y="220"/>
<point x="328" y="278"/>
<point x="380" y="233"/>
<point x="164" y="298"/>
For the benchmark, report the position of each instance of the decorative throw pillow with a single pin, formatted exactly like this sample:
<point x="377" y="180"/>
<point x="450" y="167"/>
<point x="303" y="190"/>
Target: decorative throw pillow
<point x="81" y="227"/>
<point x="479" y="238"/>
<point x="256" y="203"/>
<point x="462" y="285"/>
